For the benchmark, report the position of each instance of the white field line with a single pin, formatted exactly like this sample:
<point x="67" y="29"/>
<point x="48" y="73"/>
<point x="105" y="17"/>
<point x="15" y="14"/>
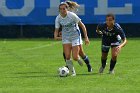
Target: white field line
<point x="41" y="46"/>
<point x="36" y="47"/>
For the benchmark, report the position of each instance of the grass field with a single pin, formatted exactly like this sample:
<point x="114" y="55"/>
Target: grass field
<point x="30" y="66"/>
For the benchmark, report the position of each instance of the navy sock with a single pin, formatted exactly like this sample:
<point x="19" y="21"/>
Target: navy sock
<point x="103" y="62"/>
<point x="86" y="60"/>
<point x="64" y="56"/>
<point x="112" y="64"/>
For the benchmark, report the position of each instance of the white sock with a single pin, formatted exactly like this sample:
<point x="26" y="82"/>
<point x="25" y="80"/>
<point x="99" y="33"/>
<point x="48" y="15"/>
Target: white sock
<point x="80" y="62"/>
<point x="70" y="66"/>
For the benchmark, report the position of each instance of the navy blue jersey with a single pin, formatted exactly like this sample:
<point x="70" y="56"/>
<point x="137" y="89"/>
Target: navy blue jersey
<point x="111" y="36"/>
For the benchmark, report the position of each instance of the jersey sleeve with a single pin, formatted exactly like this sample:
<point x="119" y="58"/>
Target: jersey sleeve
<point x="75" y="17"/>
<point x="57" y="24"/>
<point x="100" y="27"/>
<point x="120" y="31"/>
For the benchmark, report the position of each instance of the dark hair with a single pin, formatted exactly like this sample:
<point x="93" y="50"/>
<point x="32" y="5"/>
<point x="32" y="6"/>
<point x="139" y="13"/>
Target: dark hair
<point x="111" y="15"/>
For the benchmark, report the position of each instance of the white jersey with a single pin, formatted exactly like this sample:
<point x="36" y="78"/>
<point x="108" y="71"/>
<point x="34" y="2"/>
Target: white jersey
<point x="70" y="29"/>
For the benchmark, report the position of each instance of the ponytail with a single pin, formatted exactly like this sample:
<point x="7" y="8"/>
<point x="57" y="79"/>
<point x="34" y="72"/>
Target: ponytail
<point x="72" y="5"/>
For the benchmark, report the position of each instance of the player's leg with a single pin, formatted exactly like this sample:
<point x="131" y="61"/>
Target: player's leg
<point x="105" y="50"/>
<point x="85" y="58"/>
<point x="67" y="50"/>
<point x="79" y="60"/>
<point x="81" y="51"/>
<point x="75" y="52"/>
<point x="75" y="44"/>
<point x="65" y="59"/>
<point x="114" y="54"/>
<point x="60" y="35"/>
<point x="64" y="56"/>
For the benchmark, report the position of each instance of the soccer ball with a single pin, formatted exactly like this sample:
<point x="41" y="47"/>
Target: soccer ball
<point x="63" y="71"/>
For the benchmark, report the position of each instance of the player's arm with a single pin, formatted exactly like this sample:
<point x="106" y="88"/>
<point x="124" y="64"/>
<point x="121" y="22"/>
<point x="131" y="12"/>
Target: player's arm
<point x="118" y="48"/>
<point x="98" y="30"/>
<point x="122" y="35"/>
<point x="124" y="42"/>
<point x="84" y="31"/>
<point x="60" y="33"/>
<point x="56" y="34"/>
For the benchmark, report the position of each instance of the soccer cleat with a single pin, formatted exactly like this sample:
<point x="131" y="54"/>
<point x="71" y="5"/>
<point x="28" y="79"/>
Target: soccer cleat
<point x="111" y="72"/>
<point x="89" y="68"/>
<point x="74" y="74"/>
<point x="101" y="70"/>
<point x="80" y="62"/>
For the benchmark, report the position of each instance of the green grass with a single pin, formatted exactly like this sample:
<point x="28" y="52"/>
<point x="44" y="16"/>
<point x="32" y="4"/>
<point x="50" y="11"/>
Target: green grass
<point x="30" y="66"/>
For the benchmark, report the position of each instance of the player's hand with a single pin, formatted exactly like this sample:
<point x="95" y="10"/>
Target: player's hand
<point x="87" y="41"/>
<point x="118" y="49"/>
<point x="99" y="32"/>
<point x="60" y="34"/>
<point x="58" y="38"/>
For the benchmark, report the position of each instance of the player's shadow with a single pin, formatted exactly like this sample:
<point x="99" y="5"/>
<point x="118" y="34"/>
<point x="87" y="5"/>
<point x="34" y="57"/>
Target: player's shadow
<point x="86" y="74"/>
<point x="32" y="75"/>
<point x="42" y="75"/>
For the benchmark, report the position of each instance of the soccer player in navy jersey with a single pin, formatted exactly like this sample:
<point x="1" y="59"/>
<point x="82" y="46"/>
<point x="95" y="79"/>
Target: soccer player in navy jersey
<point x="112" y="35"/>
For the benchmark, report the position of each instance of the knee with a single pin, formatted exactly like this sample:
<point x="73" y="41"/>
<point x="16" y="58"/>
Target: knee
<point x="114" y="58"/>
<point x="67" y="57"/>
<point x="82" y="54"/>
<point x="104" y="57"/>
<point x="75" y="58"/>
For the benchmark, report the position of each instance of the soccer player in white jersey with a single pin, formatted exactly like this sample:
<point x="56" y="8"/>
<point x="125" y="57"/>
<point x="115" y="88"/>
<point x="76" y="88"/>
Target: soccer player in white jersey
<point x="73" y="7"/>
<point x="71" y="36"/>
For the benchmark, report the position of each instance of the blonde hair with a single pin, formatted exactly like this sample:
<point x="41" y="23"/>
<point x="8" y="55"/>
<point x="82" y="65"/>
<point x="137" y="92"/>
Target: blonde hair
<point x="72" y="6"/>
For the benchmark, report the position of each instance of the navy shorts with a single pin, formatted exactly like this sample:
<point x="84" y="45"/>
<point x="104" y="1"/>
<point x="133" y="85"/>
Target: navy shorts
<point x="106" y="46"/>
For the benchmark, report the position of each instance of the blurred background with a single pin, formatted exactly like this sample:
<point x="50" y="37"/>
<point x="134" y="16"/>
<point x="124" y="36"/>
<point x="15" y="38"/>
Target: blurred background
<point x="36" y="18"/>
